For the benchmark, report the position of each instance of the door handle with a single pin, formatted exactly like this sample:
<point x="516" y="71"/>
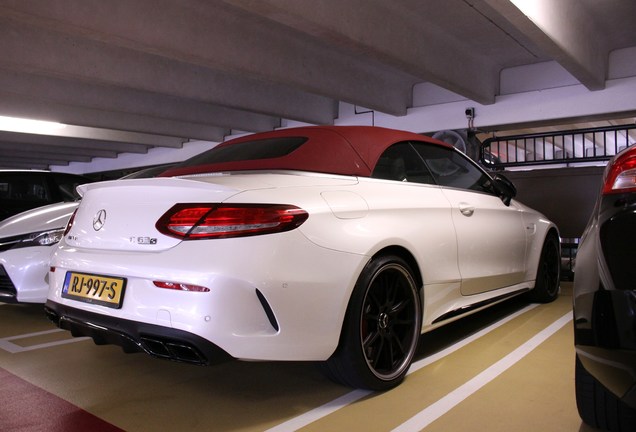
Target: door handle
<point x="466" y="209"/>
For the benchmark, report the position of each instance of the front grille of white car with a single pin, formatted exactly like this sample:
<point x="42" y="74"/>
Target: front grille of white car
<point x="7" y="289"/>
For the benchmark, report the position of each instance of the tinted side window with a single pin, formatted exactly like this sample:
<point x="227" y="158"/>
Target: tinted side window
<point x="66" y="185"/>
<point x="24" y="187"/>
<point x="450" y="168"/>
<point x="402" y="163"/>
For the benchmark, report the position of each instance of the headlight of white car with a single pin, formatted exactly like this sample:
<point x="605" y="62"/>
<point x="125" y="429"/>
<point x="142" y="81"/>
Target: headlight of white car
<point x="41" y="238"/>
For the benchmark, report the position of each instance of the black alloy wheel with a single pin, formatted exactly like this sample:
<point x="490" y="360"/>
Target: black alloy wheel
<point x="546" y="288"/>
<point x="381" y="329"/>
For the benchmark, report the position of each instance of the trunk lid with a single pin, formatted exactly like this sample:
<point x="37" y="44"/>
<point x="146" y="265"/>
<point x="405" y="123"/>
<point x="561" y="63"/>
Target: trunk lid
<point x="121" y="215"/>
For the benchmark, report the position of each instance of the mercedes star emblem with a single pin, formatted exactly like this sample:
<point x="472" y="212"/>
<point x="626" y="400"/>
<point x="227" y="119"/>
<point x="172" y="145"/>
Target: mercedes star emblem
<point x="99" y="220"/>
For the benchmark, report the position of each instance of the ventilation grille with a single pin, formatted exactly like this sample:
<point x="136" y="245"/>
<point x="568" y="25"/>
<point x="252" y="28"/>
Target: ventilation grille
<point x="6" y="286"/>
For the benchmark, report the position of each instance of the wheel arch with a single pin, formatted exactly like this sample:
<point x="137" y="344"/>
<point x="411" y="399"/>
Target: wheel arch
<point x="407" y="256"/>
<point x="547" y="277"/>
<point x="553" y="231"/>
<point x="347" y="364"/>
<point x="395" y="250"/>
<point x="534" y="252"/>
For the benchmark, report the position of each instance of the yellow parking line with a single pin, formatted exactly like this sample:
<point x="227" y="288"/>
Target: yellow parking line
<point x="452" y="399"/>
<point x="353" y="396"/>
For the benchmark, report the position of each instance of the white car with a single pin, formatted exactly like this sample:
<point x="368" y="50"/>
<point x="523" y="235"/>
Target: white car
<point x="26" y="243"/>
<point x="331" y="244"/>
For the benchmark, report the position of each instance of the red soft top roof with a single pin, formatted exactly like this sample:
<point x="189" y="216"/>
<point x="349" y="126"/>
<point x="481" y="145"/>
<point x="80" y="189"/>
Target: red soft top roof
<point x="346" y="150"/>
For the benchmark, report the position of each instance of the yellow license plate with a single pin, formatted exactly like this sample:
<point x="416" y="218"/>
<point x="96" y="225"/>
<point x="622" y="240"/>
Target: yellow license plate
<point x="102" y="290"/>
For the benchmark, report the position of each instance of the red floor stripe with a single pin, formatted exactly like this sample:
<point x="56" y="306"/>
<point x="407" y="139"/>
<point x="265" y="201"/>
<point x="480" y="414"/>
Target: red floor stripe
<point x="28" y="408"/>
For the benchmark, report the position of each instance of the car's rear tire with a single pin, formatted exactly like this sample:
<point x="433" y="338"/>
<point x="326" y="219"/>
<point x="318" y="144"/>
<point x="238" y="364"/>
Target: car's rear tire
<point x="598" y="407"/>
<point x="546" y="287"/>
<point x="381" y="328"/>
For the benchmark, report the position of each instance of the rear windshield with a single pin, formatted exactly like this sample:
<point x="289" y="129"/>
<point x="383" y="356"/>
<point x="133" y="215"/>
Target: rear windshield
<point x="248" y="150"/>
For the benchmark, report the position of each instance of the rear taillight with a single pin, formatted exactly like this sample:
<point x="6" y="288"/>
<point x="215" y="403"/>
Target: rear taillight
<point x="180" y="286"/>
<point x="621" y="174"/>
<point x="205" y="221"/>
<point x="69" y="224"/>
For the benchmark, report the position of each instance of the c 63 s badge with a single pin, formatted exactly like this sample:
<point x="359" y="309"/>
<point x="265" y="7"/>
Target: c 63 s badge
<point x="143" y="240"/>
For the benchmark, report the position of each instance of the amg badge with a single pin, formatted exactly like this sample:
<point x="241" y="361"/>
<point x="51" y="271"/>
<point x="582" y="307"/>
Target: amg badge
<point x="143" y="240"/>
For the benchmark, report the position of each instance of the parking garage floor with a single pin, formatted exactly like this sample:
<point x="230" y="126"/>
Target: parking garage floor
<point x="510" y="368"/>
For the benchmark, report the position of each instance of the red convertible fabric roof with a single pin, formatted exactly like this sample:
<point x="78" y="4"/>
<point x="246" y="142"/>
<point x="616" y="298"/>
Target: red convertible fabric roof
<point x="346" y="150"/>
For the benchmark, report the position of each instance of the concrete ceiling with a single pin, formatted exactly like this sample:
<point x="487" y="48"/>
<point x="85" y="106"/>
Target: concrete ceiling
<point x="128" y="75"/>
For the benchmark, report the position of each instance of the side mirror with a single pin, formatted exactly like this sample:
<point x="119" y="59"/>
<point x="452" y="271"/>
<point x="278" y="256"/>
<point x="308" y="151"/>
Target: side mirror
<point x="506" y="189"/>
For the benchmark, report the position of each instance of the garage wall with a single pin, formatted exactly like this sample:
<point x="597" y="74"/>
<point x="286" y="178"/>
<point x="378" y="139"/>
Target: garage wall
<point x="565" y="195"/>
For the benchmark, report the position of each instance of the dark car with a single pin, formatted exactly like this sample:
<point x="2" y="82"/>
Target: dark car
<point x="605" y="303"/>
<point x="22" y="190"/>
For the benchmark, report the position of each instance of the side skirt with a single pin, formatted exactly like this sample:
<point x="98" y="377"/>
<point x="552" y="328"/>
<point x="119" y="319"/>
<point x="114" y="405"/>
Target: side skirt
<point x="476" y="307"/>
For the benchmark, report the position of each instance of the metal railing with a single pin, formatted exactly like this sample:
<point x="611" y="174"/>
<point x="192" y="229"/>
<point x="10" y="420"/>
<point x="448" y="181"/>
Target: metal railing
<point x="578" y="145"/>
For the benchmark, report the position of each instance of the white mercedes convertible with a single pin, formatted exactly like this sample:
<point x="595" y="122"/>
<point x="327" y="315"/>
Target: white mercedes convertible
<point x="339" y="245"/>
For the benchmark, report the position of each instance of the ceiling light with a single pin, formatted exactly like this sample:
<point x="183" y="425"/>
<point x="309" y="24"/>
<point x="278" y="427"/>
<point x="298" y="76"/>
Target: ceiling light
<point x="14" y="124"/>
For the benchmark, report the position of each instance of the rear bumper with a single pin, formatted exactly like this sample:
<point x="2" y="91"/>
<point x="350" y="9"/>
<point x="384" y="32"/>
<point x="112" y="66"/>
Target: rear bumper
<point x="266" y="301"/>
<point x="131" y="336"/>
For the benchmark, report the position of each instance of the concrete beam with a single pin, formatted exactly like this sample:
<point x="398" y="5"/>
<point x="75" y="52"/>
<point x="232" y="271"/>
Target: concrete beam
<point x="24" y="165"/>
<point x="172" y="133"/>
<point x="563" y="29"/>
<point x="386" y="31"/>
<point x="68" y="153"/>
<point x="572" y="104"/>
<point x="69" y="141"/>
<point x="70" y="132"/>
<point x="49" y="158"/>
<point x="109" y="44"/>
<point x="213" y="120"/>
<point x="48" y="53"/>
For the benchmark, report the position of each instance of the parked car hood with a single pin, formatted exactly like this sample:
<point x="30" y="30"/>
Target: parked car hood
<point x="44" y="218"/>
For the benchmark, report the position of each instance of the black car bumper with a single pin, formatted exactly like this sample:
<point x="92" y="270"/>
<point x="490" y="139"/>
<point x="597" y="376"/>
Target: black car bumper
<point x="603" y="349"/>
<point x="132" y="336"/>
<point x="605" y="297"/>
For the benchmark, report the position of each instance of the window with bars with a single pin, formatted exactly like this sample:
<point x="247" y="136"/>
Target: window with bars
<point x="579" y="145"/>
